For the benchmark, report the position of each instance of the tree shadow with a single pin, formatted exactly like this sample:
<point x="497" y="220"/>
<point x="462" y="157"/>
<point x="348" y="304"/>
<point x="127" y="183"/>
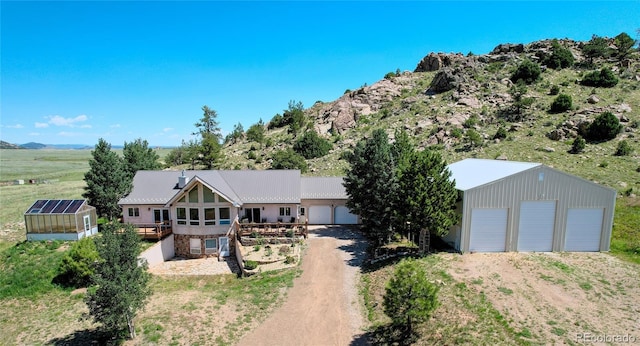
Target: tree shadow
<point x="86" y="337"/>
<point x="358" y="246"/>
<point x="386" y="335"/>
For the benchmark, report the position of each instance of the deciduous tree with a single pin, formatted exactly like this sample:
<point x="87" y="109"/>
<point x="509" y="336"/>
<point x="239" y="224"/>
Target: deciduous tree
<point x="121" y="281"/>
<point x="107" y="180"/>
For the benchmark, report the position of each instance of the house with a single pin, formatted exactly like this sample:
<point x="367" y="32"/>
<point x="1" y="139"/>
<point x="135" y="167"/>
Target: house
<point x="54" y="219"/>
<point x="521" y="206"/>
<point x="199" y="207"/>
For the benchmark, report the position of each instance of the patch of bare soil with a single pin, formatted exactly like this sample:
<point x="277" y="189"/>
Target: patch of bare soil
<point x="557" y="297"/>
<point x="323" y="307"/>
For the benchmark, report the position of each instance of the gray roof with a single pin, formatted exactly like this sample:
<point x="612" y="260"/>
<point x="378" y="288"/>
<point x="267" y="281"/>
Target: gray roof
<point x="471" y="173"/>
<point x="271" y="186"/>
<point x="323" y="188"/>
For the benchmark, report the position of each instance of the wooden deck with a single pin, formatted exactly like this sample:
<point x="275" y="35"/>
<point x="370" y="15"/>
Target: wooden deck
<point x="272" y="229"/>
<point x="154" y="231"/>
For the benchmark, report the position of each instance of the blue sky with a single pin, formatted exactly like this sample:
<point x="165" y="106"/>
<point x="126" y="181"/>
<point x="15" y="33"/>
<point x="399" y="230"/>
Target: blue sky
<point x="73" y="72"/>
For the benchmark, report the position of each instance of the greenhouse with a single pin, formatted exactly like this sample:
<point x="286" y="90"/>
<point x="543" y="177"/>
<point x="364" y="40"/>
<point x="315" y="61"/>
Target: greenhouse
<point x="54" y="219"/>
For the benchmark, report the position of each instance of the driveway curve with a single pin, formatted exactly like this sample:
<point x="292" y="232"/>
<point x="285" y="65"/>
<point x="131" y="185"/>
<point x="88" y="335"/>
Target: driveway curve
<point x="322" y="307"/>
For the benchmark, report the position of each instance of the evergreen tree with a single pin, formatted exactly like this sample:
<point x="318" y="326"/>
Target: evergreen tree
<point x="370" y="185"/>
<point x="210" y="151"/>
<point x="409" y="298"/>
<point x="624" y="43"/>
<point x="235" y="135"/>
<point x="107" y="180"/>
<point x="139" y="157"/>
<point x="255" y="133"/>
<point x="121" y="281"/>
<point x="596" y="48"/>
<point x="560" y="58"/>
<point x="578" y="145"/>
<point x="429" y="194"/>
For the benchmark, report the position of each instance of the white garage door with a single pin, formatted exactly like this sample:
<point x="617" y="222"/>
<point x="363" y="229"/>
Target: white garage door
<point x="344" y="217"/>
<point x="488" y="230"/>
<point x="584" y="228"/>
<point x="320" y="215"/>
<point x="535" y="230"/>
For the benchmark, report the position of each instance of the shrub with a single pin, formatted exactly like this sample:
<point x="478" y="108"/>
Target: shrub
<point x="310" y="145"/>
<point x="252" y="155"/>
<point x="284" y="249"/>
<point x="561" y="103"/>
<point x="289" y="260"/>
<point x="471" y="121"/>
<point x="501" y="133"/>
<point x="474" y="138"/>
<point x="528" y="72"/>
<point x="604" y="127"/>
<point x="623" y="149"/>
<point x="290" y="233"/>
<point x="76" y="267"/>
<point x="288" y="159"/>
<point x="555" y="90"/>
<point x="456" y="133"/>
<point x="250" y="265"/>
<point x="560" y="58"/>
<point x="603" y="78"/>
<point x="578" y="145"/>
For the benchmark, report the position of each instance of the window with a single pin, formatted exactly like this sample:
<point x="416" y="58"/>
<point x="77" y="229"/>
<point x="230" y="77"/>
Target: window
<point x="225" y="216"/>
<point x="193" y="195"/>
<point x="285" y="211"/>
<point x="302" y="211"/>
<point x="194" y="217"/>
<point x="209" y="216"/>
<point x="182" y="200"/>
<point x="134" y="212"/>
<point x="181" y="216"/>
<point x="194" y="246"/>
<point x="210" y="245"/>
<point x="208" y="195"/>
<point x="222" y="200"/>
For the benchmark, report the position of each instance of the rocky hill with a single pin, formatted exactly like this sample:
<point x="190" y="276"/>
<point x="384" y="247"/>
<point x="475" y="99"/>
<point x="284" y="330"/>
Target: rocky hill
<point x="448" y="97"/>
<point x="7" y="145"/>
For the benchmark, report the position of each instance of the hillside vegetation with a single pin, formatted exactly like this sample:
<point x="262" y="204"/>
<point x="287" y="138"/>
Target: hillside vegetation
<point x="472" y="106"/>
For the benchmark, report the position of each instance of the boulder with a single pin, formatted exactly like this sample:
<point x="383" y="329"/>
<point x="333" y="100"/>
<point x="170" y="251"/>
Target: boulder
<point x="593" y="99"/>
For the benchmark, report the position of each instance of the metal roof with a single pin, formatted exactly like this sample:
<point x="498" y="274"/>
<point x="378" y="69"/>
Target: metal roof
<point x="471" y="173"/>
<point x="55" y="206"/>
<point x="250" y="186"/>
<point x="323" y="188"/>
<point x="268" y="186"/>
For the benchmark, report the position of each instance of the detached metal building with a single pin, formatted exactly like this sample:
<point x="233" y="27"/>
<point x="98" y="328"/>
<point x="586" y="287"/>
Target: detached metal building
<point x="54" y="219"/>
<point x="521" y="206"/>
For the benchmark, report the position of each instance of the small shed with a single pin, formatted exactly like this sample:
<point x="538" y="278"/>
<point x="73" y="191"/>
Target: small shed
<point x="523" y="206"/>
<point x="55" y="219"/>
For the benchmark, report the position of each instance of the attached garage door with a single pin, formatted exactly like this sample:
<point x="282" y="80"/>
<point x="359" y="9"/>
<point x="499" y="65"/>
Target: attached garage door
<point x="320" y="215"/>
<point x="535" y="230"/>
<point x="584" y="228"/>
<point x="488" y="230"/>
<point x="344" y="217"/>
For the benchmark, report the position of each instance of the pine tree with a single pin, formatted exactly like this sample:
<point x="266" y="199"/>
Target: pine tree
<point x="139" y="157"/>
<point x="370" y="185"/>
<point x="429" y="193"/>
<point x="107" y="180"/>
<point x="121" y="281"/>
<point x="210" y="149"/>
<point x="409" y="297"/>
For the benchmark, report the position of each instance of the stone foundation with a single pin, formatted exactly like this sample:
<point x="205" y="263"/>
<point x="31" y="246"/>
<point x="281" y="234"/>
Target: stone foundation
<point x="183" y="246"/>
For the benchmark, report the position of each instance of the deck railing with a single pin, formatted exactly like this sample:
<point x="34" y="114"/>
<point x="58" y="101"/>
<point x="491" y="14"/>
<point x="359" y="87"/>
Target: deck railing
<point x="154" y="231"/>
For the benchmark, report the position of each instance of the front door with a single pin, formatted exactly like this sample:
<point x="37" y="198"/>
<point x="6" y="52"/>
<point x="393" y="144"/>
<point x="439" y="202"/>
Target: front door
<point x="224" y="246"/>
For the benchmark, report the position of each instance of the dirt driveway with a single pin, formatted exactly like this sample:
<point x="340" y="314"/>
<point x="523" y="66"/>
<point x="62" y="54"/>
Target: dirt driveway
<point x="323" y="307"/>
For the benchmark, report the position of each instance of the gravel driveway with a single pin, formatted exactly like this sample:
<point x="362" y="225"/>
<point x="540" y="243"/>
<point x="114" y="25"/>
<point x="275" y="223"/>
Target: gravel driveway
<point x="323" y="307"/>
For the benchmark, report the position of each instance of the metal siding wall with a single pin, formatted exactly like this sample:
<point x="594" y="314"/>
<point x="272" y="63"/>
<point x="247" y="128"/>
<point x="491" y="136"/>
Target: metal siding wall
<point x="569" y="192"/>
